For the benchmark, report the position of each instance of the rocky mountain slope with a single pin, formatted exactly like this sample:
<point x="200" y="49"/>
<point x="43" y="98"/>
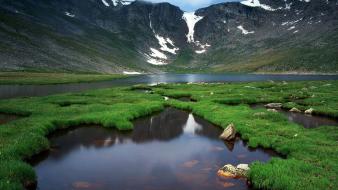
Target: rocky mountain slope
<point x="114" y="36"/>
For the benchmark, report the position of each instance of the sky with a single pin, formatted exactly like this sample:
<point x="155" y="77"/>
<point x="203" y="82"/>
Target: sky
<point x="191" y="5"/>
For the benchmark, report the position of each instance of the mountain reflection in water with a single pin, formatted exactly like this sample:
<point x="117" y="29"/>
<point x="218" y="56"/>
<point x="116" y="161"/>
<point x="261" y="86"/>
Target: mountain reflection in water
<point x="170" y="150"/>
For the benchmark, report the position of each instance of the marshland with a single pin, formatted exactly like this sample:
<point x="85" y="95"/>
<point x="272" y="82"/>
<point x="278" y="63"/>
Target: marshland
<point x="166" y="136"/>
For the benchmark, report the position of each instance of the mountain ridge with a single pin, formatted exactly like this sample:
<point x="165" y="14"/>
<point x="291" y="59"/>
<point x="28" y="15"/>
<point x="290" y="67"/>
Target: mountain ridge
<point x="89" y="36"/>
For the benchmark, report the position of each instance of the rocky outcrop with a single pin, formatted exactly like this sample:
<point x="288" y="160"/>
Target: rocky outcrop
<point x="230" y="171"/>
<point x="229" y="133"/>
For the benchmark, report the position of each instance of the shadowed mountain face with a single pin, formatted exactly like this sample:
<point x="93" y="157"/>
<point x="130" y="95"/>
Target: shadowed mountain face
<point x="115" y="36"/>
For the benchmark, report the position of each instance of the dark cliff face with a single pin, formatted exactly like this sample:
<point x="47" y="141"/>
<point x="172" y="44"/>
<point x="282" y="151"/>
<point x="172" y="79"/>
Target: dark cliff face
<point x="87" y="35"/>
<point x="221" y="21"/>
<point x="167" y="21"/>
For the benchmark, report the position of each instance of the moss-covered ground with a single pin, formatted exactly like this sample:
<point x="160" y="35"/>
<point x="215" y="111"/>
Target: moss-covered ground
<point x="310" y="156"/>
<point x="53" y="78"/>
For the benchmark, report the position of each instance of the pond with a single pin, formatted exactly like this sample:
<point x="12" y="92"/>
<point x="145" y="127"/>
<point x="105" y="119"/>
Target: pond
<point x="307" y="121"/>
<point x="170" y="150"/>
<point x="14" y="91"/>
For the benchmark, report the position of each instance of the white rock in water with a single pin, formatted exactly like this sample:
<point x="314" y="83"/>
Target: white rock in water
<point x="295" y="110"/>
<point x="309" y="111"/>
<point x="243" y="167"/>
<point x="230" y="171"/>
<point x="274" y="105"/>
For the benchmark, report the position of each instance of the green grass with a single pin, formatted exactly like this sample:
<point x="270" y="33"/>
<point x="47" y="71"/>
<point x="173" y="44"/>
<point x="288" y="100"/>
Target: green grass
<point x="53" y="78"/>
<point x="311" y="155"/>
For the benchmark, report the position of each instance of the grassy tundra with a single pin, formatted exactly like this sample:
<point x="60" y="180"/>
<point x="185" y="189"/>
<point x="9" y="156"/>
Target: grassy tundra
<point x="311" y="155"/>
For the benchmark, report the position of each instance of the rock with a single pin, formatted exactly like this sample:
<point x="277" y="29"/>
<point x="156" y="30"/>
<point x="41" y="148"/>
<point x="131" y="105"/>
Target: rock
<point x="227" y="171"/>
<point x="274" y="105"/>
<point x="295" y="110"/>
<point x="309" y="111"/>
<point x="230" y="171"/>
<point x="242" y="170"/>
<point x="272" y="110"/>
<point x="229" y="133"/>
<point x="243" y="167"/>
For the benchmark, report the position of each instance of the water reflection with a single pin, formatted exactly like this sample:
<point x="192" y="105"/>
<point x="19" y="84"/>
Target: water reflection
<point x="171" y="150"/>
<point x="310" y="121"/>
<point x="191" y="127"/>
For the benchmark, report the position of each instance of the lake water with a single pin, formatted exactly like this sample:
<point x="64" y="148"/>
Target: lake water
<point x="14" y="91"/>
<point x="170" y="150"/>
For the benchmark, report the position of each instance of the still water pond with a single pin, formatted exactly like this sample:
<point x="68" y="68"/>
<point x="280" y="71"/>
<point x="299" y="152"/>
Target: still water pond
<point x="307" y="121"/>
<point x="14" y="91"/>
<point x="170" y="150"/>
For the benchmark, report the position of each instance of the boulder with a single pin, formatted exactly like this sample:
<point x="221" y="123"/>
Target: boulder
<point x="295" y="110"/>
<point x="230" y="171"/>
<point x="309" y="111"/>
<point x="274" y="105"/>
<point x="229" y="133"/>
<point x="227" y="171"/>
<point x="242" y="170"/>
<point x="272" y="110"/>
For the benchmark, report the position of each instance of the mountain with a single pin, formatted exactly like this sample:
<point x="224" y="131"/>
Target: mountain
<point x="114" y="36"/>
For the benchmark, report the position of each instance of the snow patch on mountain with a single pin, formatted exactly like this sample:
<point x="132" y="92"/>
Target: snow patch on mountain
<point x="131" y="73"/>
<point x="202" y="47"/>
<point x="105" y="3"/>
<point x="69" y="14"/>
<point x="191" y="19"/>
<point x="155" y="61"/>
<point x="157" y="57"/>
<point x="244" y="31"/>
<point x="164" y="44"/>
<point x="256" y="3"/>
<point x="117" y="2"/>
<point x="291" y="22"/>
<point x="291" y="28"/>
<point x="157" y="54"/>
